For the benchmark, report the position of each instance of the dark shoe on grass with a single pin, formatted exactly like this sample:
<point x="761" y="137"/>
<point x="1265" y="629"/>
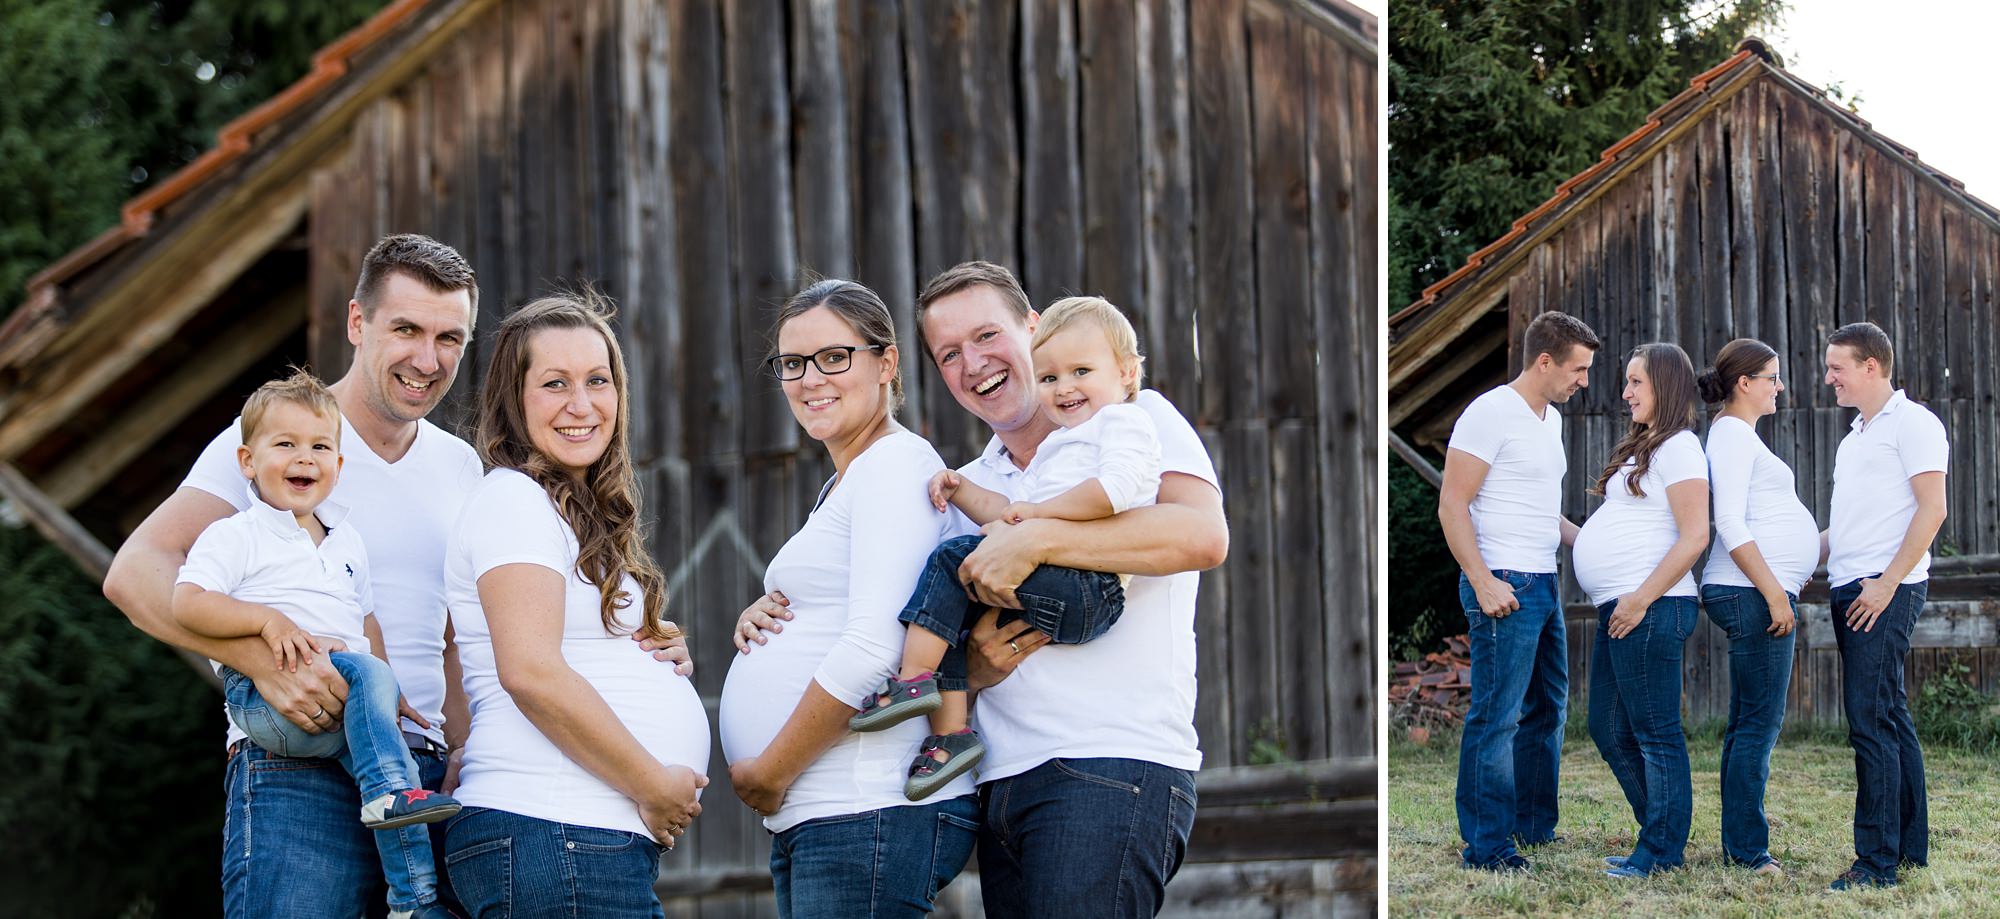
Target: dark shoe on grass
<point x="1511" y="864"/>
<point x="896" y="702"/>
<point x="1857" y="879"/>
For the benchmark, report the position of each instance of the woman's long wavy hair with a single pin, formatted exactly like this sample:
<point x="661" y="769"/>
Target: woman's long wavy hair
<point x="1674" y="401"/>
<point x="602" y="508"/>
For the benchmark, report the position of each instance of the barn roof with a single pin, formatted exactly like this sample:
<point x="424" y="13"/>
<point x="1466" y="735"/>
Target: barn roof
<point x="1432" y="326"/>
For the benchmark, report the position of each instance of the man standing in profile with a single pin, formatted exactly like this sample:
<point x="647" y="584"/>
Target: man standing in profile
<point x="1888" y="503"/>
<point x="1500" y="508"/>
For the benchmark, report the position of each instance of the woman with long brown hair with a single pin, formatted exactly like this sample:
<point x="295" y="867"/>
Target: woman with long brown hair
<point x="1633" y="557"/>
<point x="585" y="755"/>
<point x="1767" y="545"/>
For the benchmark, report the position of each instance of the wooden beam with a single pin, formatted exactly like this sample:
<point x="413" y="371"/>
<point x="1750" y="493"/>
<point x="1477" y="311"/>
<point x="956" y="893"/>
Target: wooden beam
<point x="1416" y="460"/>
<point x="58" y="527"/>
<point x="69" y="381"/>
<point x="135" y="431"/>
<point x="1437" y="380"/>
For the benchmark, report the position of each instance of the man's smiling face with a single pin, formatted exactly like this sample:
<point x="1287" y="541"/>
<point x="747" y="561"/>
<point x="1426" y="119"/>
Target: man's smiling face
<point x="980" y="346"/>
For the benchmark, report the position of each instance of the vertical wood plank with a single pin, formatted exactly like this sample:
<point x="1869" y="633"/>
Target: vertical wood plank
<point x="1167" y="203"/>
<point x="1282" y="223"/>
<point x="1108" y="73"/>
<point x="1253" y="639"/>
<point x="820" y="142"/>
<point x="885" y="256"/>
<point x="700" y="175"/>
<point x="647" y="242"/>
<point x="1223" y="272"/>
<point x="1052" y="241"/>
<point x="763" y="244"/>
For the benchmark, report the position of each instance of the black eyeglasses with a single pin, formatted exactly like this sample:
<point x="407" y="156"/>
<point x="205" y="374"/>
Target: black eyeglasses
<point x="829" y="360"/>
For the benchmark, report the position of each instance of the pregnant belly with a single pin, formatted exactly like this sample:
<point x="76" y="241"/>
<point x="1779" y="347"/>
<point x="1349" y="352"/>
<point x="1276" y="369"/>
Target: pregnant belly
<point x="759" y="694"/>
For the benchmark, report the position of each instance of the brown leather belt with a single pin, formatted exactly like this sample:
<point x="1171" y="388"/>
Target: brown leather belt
<point x="418" y="744"/>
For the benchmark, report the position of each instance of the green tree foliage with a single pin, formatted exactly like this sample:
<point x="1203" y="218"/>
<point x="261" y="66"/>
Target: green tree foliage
<point x="113" y="751"/>
<point x="103" y="99"/>
<point x="1492" y="103"/>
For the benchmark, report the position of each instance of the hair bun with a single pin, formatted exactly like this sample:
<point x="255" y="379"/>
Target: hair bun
<point x="1709" y="384"/>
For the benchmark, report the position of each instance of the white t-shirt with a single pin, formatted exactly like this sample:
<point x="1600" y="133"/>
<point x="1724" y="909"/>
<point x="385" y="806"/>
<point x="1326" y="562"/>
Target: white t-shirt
<point x="1756" y="499"/>
<point x="848" y="573"/>
<point x="1119" y="447"/>
<point x="262" y="555"/>
<point x="406" y="508"/>
<point x="1139" y="676"/>
<point x="1517" y="513"/>
<point x="1628" y="536"/>
<point x="1873" y="502"/>
<point x="509" y="764"/>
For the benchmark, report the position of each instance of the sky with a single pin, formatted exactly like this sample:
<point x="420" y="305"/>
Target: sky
<point x="1922" y="69"/>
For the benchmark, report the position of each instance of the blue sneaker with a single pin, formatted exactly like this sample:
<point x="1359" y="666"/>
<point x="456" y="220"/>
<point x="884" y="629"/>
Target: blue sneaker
<point x="1616" y="861"/>
<point x="1623" y="871"/>
<point x="1857" y="879"/>
<point x="408" y="807"/>
<point x="1512" y="864"/>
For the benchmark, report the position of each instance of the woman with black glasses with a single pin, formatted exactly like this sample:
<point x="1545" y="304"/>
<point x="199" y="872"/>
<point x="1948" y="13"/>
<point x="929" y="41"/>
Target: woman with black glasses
<point x="847" y="842"/>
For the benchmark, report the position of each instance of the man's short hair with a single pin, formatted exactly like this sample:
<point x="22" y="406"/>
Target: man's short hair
<point x="432" y="263"/>
<point x="1866" y="340"/>
<point x="969" y="274"/>
<point x="301" y="389"/>
<point x="1553" y="333"/>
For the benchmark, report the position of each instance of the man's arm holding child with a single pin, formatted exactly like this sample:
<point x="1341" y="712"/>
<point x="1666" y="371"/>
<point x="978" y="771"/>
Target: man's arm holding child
<point x="141" y="585"/>
<point x="219" y="615"/>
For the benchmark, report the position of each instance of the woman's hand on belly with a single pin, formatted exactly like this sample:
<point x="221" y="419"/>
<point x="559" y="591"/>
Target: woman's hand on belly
<point x="669" y="805"/>
<point x="757" y="786"/>
<point x="761" y="617"/>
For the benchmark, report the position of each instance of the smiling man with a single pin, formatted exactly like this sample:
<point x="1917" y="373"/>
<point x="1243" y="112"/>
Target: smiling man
<point x="403" y="480"/>
<point x="1088" y="785"/>
<point x="1888" y="503"/>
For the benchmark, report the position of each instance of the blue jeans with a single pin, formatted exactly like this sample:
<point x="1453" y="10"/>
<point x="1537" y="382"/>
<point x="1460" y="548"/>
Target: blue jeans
<point x="1069" y="605"/>
<point x="880" y="863"/>
<point x="503" y="865"/>
<point x="1510" y="755"/>
<point x="369" y="748"/>
<point x="1635" y="718"/>
<point x="1891" y="815"/>
<point x="1084" y="838"/>
<point x="1760" y="673"/>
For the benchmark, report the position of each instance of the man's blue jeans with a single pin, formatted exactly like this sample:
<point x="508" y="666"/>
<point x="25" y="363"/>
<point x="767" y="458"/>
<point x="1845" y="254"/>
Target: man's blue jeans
<point x="1510" y="755"/>
<point x="505" y="865"/>
<point x="1891" y="813"/>
<point x="371" y="752"/>
<point x="882" y="863"/>
<point x="1760" y="674"/>
<point x="1635" y="718"/>
<point x="1084" y="838"/>
<point x="1069" y="605"/>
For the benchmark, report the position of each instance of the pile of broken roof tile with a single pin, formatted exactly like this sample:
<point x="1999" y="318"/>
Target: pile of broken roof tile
<point x="1432" y="692"/>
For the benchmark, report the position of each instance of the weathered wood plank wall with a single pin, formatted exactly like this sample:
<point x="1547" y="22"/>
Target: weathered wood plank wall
<point x="1770" y="219"/>
<point x="1208" y="166"/>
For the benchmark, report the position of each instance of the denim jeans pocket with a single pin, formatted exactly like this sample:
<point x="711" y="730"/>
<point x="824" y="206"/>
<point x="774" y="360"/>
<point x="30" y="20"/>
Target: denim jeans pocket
<point x="482" y="875"/>
<point x="597" y="839"/>
<point x="1085" y="771"/>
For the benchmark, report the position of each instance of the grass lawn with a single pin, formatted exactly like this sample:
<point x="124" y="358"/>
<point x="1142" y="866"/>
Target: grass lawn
<point x="1810" y="802"/>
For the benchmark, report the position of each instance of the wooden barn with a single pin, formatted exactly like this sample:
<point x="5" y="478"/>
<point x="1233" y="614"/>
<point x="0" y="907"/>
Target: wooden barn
<point x="1210" y="166"/>
<point x="1749" y="205"/>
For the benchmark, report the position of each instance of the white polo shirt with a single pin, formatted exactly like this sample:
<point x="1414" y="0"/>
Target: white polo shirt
<point x="1139" y="677"/>
<point x="1517" y="512"/>
<point x="1119" y="447"/>
<point x="1873" y="502"/>
<point x="262" y="555"/>
<point x="509" y="763"/>
<point x="407" y="509"/>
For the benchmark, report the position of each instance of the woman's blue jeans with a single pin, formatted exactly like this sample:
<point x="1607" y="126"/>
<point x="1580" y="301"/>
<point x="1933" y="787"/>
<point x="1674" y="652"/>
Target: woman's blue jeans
<point x="1510" y="754"/>
<point x="1760" y="675"/>
<point x="1635" y="718"/>
<point x="881" y="864"/>
<point x="505" y="865"/>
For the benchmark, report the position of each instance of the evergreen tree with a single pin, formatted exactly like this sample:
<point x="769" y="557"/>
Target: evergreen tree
<point x="103" y="99"/>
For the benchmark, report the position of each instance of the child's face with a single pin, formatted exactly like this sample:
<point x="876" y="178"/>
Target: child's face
<point x="1076" y="374"/>
<point x="294" y="457"/>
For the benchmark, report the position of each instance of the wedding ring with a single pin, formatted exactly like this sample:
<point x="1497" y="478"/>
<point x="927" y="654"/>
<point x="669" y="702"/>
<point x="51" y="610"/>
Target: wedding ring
<point x="1017" y="648"/>
<point x="320" y="714"/>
